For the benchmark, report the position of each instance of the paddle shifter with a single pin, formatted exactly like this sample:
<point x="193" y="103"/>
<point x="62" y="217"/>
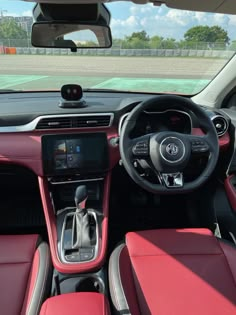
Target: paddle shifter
<point x="80" y="227"/>
<point x="80" y="232"/>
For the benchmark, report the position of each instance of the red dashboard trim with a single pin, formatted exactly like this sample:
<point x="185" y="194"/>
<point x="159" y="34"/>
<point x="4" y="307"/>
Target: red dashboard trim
<point x="24" y="148"/>
<point x="52" y="232"/>
<point x="230" y="192"/>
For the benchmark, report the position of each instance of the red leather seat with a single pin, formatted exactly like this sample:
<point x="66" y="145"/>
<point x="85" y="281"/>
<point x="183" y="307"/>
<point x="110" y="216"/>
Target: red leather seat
<point x="24" y="266"/>
<point x="166" y="272"/>
<point x="83" y="303"/>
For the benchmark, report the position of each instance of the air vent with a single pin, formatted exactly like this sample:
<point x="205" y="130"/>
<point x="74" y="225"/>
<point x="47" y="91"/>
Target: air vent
<point x="54" y="123"/>
<point x="221" y="125"/>
<point x="80" y="121"/>
<point x="91" y="121"/>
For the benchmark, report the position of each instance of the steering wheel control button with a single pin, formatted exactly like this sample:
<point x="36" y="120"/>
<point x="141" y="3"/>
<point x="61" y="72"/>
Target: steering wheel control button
<point x="174" y="180"/>
<point x="172" y="149"/>
<point x="199" y="146"/>
<point x="141" y="148"/>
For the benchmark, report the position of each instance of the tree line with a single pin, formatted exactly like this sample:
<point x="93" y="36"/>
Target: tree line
<point x="197" y="37"/>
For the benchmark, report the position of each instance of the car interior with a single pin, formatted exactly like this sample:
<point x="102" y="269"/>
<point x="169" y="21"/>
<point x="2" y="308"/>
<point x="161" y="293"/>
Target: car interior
<point x="117" y="202"/>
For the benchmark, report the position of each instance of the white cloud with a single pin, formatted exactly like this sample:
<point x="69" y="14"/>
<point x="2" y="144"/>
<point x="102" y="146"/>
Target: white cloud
<point x="130" y="22"/>
<point x="166" y="22"/>
<point x="140" y="9"/>
<point x="147" y="8"/>
<point x="27" y="13"/>
<point x="10" y="14"/>
<point x="133" y="10"/>
<point x="182" y="18"/>
<point x="121" y="28"/>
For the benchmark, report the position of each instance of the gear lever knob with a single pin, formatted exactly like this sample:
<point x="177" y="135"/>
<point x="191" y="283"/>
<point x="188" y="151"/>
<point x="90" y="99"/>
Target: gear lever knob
<point x="81" y="196"/>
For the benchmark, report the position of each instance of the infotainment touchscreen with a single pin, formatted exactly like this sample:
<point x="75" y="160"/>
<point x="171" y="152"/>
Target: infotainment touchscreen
<point x="83" y="153"/>
<point x="69" y="153"/>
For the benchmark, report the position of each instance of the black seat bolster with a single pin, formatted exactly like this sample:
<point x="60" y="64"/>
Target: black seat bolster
<point x="121" y="282"/>
<point x="39" y="280"/>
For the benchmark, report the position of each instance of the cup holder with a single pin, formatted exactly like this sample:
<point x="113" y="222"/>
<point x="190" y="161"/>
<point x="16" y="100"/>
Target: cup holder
<point x="90" y="284"/>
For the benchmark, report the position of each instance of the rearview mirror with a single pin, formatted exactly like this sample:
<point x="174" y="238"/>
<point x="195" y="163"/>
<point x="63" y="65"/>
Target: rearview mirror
<point x="68" y="35"/>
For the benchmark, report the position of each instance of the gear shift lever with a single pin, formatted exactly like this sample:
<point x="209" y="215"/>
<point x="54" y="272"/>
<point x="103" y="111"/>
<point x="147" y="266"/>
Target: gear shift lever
<point x="80" y="226"/>
<point x="81" y="196"/>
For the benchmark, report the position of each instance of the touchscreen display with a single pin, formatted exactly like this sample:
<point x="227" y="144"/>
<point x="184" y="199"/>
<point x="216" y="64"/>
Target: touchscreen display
<point x="83" y="153"/>
<point x="68" y="154"/>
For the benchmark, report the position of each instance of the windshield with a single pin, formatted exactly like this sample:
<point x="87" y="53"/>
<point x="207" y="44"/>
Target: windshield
<point x="155" y="49"/>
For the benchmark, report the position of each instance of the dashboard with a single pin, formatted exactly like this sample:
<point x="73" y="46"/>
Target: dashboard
<point x="38" y="134"/>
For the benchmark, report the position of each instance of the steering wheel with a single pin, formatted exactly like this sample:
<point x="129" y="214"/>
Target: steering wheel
<point x="167" y="153"/>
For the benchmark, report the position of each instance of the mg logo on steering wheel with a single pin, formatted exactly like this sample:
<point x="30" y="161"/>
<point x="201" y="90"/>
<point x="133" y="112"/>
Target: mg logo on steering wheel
<point x="172" y="149"/>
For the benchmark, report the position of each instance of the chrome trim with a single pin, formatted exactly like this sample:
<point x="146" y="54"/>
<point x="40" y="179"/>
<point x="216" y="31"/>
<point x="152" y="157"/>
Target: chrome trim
<point x="178" y="179"/>
<point x="62" y="256"/>
<point x="31" y="126"/>
<point x="77" y="181"/>
<point x="232" y="236"/>
<point x="121" y="121"/>
<point x="65" y="210"/>
<point x="226" y="124"/>
<point x="169" y="161"/>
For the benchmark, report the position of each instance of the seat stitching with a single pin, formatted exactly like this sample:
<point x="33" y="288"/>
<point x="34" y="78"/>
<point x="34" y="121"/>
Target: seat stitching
<point x="15" y="263"/>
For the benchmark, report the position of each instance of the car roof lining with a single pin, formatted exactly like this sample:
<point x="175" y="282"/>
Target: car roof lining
<point x="216" y="6"/>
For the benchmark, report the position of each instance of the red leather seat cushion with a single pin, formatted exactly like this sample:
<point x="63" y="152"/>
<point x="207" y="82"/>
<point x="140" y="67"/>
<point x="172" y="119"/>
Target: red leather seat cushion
<point x="182" y="272"/>
<point x="16" y="258"/>
<point x="83" y="303"/>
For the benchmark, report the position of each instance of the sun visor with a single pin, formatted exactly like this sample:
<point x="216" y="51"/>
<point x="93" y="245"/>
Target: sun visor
<point x="216" y="6"/>
<point x="86" y="13"/>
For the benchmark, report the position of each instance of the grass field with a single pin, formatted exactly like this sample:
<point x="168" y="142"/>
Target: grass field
<point x="37" y="72"/>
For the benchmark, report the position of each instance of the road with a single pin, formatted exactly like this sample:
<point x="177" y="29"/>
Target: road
<point x="45" y="72"/>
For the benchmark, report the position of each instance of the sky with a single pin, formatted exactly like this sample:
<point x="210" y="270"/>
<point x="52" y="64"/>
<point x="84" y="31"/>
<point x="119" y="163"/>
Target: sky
<point x="128" y="18"/>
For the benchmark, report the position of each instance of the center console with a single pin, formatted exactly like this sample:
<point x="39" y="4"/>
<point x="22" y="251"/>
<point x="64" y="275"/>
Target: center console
<point x="78" y="230"/>
<point x="75" y="193"/>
